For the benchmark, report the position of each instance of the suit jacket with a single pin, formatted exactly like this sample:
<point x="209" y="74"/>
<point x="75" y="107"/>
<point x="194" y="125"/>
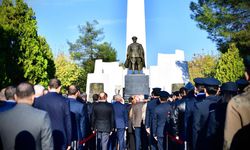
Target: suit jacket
<point x="24" y="127"/>
<point x="161" y="119"/>
<point x="200" y="121"/>
<point x="57" y="107"/>
<point x="121" y="115"/>
<point x="190" y="103"/>
<point x="103" y="117"/>
<point x="150" y="112"/>
<point x="6" y="105"/>
<point x="78" y="113"/>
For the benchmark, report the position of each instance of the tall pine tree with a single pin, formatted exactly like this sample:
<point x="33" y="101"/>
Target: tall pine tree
<point x="226" y="21"/>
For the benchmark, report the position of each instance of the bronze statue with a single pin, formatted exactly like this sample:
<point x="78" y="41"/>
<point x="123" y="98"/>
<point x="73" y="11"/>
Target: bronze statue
<point x="135" y="56"/>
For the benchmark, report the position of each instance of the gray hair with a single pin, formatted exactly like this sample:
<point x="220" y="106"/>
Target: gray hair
<point x="39" y="89"/>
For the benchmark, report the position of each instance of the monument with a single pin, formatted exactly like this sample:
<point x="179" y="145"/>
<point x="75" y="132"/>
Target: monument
<point x="135" y="25"/>
<point x="135" y="56"/>
<point x="136" y="83"/>
<point x="171" y="69"/>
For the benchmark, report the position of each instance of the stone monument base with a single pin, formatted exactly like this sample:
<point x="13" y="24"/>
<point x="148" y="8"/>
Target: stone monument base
<point x="136" y="84"/>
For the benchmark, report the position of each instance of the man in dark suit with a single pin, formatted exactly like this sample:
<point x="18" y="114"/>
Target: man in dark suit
<point x="103" y="121"/>
<point x="161" y="120"/>
<point x="201" y="114"/>
<point x="154" y="101"/>
<point x="24" y="127"/>
<point x="121" y="120"/>
<point x="78" y="113"/>
<point x="58" y="108"/>
<point x="91" y="144"/>
<point x="190" y="101"/>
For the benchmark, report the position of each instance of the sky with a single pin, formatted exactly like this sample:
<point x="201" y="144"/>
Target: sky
<point x="168" y="25"/>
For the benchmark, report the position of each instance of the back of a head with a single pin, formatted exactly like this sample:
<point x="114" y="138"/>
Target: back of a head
<point x="176" y="93"/>
<point x="130" y="99"/>
<point x="95" y="97"/>
<point x="211" y="85"/>
<point x="54" y="83"/>
<point x="24" y="90"/>
<point x="102" y="96"/>
<point x="118" y="98"/>
<point x="72" y="90"/>
<point x="9" y="92"/>
<point x="2" y="95"/>
<point x="241" y="84"/>
<point x="39" y="89"/>
<point x="183" y="91"/>
<point x="199" y="85"/>
<point x="164" y="95"/>
<point x="228" y="90"/>
<point x="156" y="91"/>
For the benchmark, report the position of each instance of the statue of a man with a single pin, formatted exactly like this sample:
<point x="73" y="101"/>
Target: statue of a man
<point x="135" y="56"/>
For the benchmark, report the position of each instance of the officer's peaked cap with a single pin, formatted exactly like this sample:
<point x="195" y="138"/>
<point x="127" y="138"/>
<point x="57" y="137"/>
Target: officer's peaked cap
<point x="156" y="89"/>
<point x="229" y="86"/>
<point x="199" y="81"/>
<point x="242" y="82"/>
<point x="189" y="86"/>
<point x="211" y="82"/>
<point x="164" y="94"/>
<point x="134" y="37"/>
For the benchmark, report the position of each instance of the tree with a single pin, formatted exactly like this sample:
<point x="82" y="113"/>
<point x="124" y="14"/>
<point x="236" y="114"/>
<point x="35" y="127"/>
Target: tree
<point x="230" y="66"/>
<point x="106" y="52"/>
<point x="202" y="66"/>
<point x="225" y="21"/>
<point x="25" y="55"/>
<point x="87" y="48"/>
<point x="69" y="72"/>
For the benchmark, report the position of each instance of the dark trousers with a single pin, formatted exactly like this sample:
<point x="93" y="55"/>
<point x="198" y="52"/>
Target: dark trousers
<point x="152" y="141"/>
<point x="162" y="143"/>
<point x="112" y="141"/>
<point x="102" y="140"/>
<point x="137" y="138"/>
<point x="130" y="141"/>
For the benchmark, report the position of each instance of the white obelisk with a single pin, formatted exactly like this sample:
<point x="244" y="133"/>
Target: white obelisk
<point x="136" y="23"/>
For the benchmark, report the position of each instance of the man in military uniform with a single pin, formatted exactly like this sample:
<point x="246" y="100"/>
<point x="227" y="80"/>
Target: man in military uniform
<point x="161" y="122"/>
<point x="152" y="104"/>
<point x="135" y="56"/>
<point x="201" y="114"/>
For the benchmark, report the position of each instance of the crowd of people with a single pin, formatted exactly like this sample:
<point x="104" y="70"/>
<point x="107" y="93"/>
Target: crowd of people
<point x="207" y="115"/>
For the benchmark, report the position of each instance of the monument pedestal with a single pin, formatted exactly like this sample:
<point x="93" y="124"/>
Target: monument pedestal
<point x="136" y="84"/>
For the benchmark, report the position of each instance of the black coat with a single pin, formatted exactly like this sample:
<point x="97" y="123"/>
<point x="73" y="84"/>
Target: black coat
<point x="161" y="119"/>
<point x="150" y="112"/>
<point x="200" y="122"/>
<point x="103" y="117"/>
